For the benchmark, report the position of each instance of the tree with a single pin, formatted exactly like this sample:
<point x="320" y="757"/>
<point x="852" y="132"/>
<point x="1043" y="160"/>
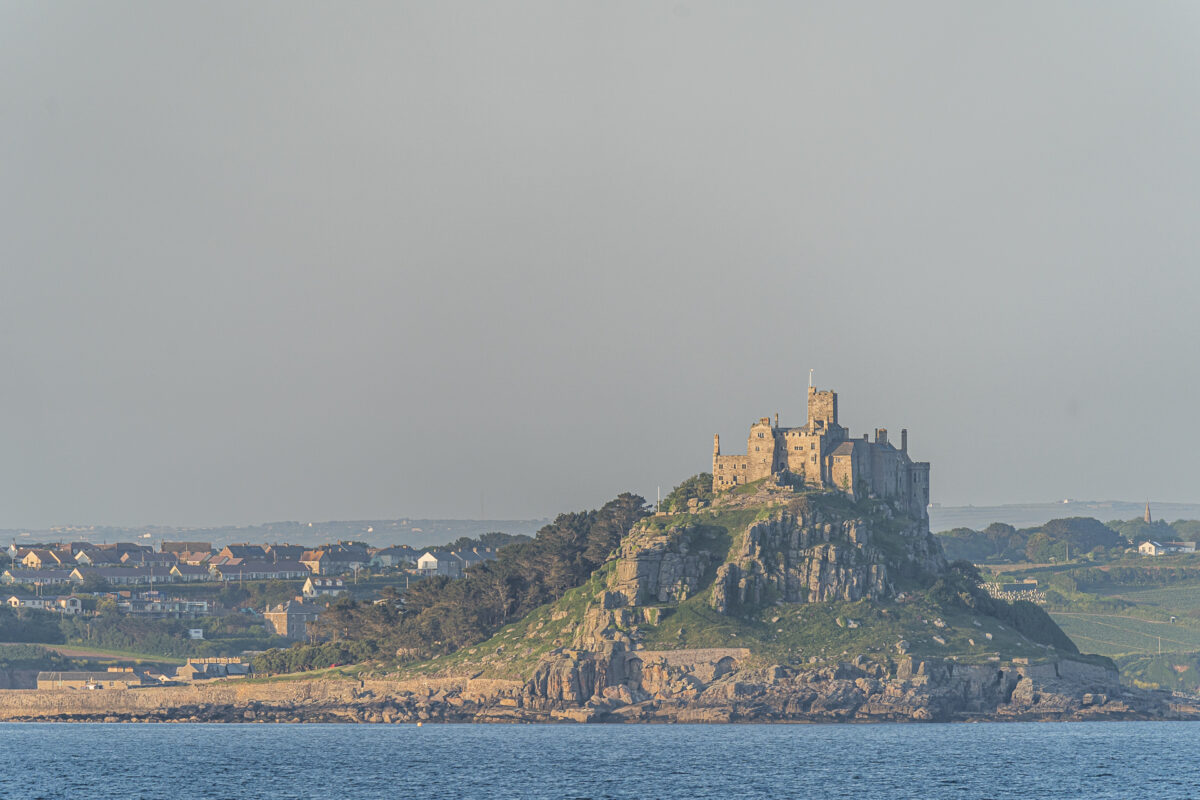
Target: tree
<point x="698" y="487"/>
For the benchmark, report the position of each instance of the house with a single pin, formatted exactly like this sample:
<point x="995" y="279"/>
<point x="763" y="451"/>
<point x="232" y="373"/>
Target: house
<point x="393" y="556"/>
<point x="149" y="605"/>
<point x="98" y="558"/>
<point x="1152" y="548"/>
<point x="36" y="577"/>
<point x="198" y="669"/>
<point x="195" y="558"/>
<point x="22" y="600"/>
<point x="124" y="576"/>
<point x="440" y="562"/>
<point x="46" y="559"/>
<point x="187" y="573"/>
<point x="330" y="561"/>
<point x="476" y="555"/>
<point x="114" y="678"/>
<point x="149" y="559"/>
<point x="68" y="604"/>
<point x="321" y="587"/>
<point x="291" y="619"/>
<point x="260" y="570"/>
<point x="252" y="552"/>
<point x="285" y="552"/>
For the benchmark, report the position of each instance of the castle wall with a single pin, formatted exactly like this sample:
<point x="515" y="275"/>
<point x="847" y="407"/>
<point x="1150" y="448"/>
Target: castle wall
<point x="730" y="471"/>
<point x="804" y="455"/>
<point x="844" y="470"/>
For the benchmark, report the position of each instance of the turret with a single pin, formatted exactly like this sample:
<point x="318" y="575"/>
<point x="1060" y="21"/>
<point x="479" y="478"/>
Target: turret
<point x="822" y="408"/>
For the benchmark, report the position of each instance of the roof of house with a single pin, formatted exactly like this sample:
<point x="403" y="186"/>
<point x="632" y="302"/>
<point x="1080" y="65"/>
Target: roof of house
<point x="100" y="556"/>
<point x="441" y="555"/>
<point x="290" y="552"/>
<point x="262" y="566"/>
<point x="122" y="572"/>
<point x="245" y="550"/>
<point x="23" y="575"/>
<point x="190" y="569"/>
<point x="148" y="558"/>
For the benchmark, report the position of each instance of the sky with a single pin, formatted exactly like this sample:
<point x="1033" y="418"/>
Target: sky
<point x="306" y="261"/>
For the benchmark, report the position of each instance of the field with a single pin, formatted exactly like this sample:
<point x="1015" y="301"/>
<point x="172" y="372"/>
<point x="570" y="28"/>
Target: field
<point x="1133" y="623"/>
<point x="1116" y="634"/>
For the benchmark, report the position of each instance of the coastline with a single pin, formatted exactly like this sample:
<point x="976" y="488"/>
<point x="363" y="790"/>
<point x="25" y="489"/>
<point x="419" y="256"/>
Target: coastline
<point x="921" y="691"/>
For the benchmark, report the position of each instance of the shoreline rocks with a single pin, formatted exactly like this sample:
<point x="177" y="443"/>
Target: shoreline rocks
<point x="642" y="686"/>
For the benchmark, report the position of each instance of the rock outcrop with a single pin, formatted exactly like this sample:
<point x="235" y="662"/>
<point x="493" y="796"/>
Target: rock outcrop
<point x="662" y="567"/>
<point x="813" y="557"/>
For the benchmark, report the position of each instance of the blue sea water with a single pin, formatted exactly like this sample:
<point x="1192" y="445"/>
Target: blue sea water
<point x="178" y="761"/>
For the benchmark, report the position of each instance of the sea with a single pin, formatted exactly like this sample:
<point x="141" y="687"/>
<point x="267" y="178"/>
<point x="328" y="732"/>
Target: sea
<point x="247" y="761"/>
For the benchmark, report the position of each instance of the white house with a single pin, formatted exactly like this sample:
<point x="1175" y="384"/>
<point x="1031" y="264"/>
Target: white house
<point x="322" y="587"/>
<point x="440" y="562"/>
<point x="1165" y="548"/>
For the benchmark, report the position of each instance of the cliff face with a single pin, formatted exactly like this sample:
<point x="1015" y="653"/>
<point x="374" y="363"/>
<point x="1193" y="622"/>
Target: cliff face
<point x="712" y="686"/>
<point x="801" y="554"/>
<point x="665" y="567"/>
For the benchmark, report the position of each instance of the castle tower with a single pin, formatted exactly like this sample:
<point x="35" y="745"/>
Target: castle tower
<point x="822" y="408"/>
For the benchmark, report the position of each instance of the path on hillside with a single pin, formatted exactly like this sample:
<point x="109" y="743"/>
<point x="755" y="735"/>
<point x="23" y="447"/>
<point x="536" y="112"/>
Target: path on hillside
<point x="1116" y="616"/>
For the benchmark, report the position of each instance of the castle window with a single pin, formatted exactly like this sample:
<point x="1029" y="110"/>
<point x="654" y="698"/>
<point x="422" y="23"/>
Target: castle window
<point x="760" y="436"/>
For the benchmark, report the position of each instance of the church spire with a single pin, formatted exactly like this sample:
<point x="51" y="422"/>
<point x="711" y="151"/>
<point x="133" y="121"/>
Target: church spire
<point x="1147" y="515"/>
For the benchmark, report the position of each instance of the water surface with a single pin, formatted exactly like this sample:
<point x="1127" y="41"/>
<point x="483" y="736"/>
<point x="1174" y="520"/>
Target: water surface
<point x="1019" y="760"/>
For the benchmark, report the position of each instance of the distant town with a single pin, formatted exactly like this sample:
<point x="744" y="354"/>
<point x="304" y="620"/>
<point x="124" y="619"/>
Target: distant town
<point x="227" y="603"/>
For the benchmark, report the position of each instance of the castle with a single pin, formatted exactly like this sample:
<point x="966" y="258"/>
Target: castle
<point x="821" y="453"/>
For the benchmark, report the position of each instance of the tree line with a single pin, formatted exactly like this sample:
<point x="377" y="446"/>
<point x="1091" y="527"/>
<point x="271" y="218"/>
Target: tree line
<point x="441" y="615"/>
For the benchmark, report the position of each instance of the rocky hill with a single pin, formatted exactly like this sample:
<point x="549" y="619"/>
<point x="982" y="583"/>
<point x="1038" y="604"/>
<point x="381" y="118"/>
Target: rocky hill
<point x="780" y="604"/>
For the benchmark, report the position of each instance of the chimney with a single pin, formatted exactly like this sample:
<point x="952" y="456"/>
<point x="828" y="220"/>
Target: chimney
<point x="716" y="444"/>
<point x="881" y="436"/>
<point x="904" y="440"/>
<point x="776" y="419"/>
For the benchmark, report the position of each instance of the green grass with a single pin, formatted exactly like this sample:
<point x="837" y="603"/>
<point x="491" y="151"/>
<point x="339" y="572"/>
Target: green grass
<point x="124" y="655"/>
<point x="798" y="632"/>
<point x="1116" y="634"/>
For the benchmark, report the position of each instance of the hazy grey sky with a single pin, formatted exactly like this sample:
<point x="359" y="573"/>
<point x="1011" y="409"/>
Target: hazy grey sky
<point x="347" y="260"/>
